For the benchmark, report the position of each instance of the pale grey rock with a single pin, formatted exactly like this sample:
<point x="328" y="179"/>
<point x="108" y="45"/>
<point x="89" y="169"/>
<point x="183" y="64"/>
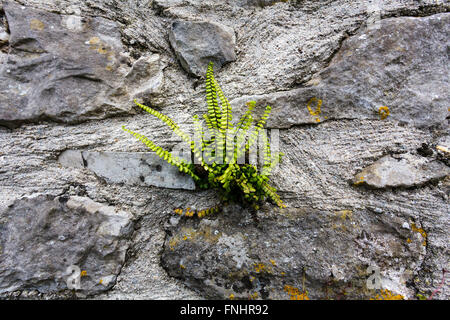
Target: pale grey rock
<point x="70" y="68"/>
<point x="42" y="236"/>
<point x="261" y="3"/>
<point x="404" y="170"/>
<point x="321" y="252"/>
<point x="71" y="159"/>
<point x="142" y="169"/>
<point x="332" y="229"/>
<point x="388" y="65"/>
<point x="280" y="50"/>
<point x="145" y="80"/>
<point x="198" y="43"/>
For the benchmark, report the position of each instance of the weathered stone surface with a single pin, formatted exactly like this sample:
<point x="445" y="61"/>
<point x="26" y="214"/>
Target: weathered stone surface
<point x="261" y="3"/>
<point x="321" y="252"/>
<point x="142" y="169"/>
<point x="388" y="64"/>
<point x="42" y="236"/>
<point x="332" y="228"/>
<point x="69" y="68"/>
<point x="283" y="52"/>
<point x="198" y="43"/>
<point x="404" y="170"/>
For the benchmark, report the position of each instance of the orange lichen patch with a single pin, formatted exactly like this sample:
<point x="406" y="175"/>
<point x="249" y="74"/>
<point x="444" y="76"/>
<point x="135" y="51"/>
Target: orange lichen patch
<point x="36" y="24"/>
<point x="360" y="180"/>
<point x="387" y="295"/>
<point x="199" y="213"/>
<point x="421" y="231"/>
<point x="384" y="112"/>
<point x="100" y="281"/>
<point x="261" y="267"/>
<point x="295" y="293"/>
<point x="83" y="273"/>
<point x="317" y="111"/>
<point x="408" y="240"/>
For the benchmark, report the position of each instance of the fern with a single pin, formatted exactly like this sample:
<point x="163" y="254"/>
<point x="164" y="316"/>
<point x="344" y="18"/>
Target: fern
<point x="218" y="149"/>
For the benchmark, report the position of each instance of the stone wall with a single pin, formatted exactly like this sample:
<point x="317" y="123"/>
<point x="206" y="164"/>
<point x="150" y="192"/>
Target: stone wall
<point x="365" y="176"/>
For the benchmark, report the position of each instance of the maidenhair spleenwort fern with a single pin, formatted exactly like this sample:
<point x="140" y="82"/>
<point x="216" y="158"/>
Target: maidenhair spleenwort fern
<point x="218" y="150"/>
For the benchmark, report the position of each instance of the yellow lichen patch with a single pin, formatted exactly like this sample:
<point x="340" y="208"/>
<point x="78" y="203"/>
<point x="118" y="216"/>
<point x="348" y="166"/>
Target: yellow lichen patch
<point x="387" y="295"/>
<point x="384" y="112"/>
<point x="83" y="273"/>
<point x="199" y="213"/>
<point x="344" y="214"/>
<point x="100" y="281"/>
<point x="102" y="50"/>
<point x="273" y="262"/>
<point x="316" y="112"/>
<point x="261" y="267"/>
<point x="421" y="231"/>
<point x="182" y="266"/>
<point x="408" y="240"/>
<point x="295" y="293"/>
<point x="231" y="297"/>
<point x="96" y="44"/>
<point x="36" y="24"/>
<point x="253" y="296"/>
<point x="94" y="40"/>
<point x="172" y="243"/>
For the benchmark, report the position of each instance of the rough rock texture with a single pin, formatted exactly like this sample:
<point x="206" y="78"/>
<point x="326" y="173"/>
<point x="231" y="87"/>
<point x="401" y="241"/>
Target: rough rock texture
<point x="42" y="236"/>
<point x="401" y="171"/>
<point x="198" y="43"/>
<point x="145" y="169"/>
<point x="69" y="70"/>
<point x="319" y="251"/>
<point x="401" y="64"/>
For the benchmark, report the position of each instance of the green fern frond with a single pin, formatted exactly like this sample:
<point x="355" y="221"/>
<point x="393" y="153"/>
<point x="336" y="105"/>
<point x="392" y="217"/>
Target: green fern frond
<point x="211" y="97"/>
<point x="218" y="149"/>
<point x="176" y="129"/>
<point x="163" y="154"/>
